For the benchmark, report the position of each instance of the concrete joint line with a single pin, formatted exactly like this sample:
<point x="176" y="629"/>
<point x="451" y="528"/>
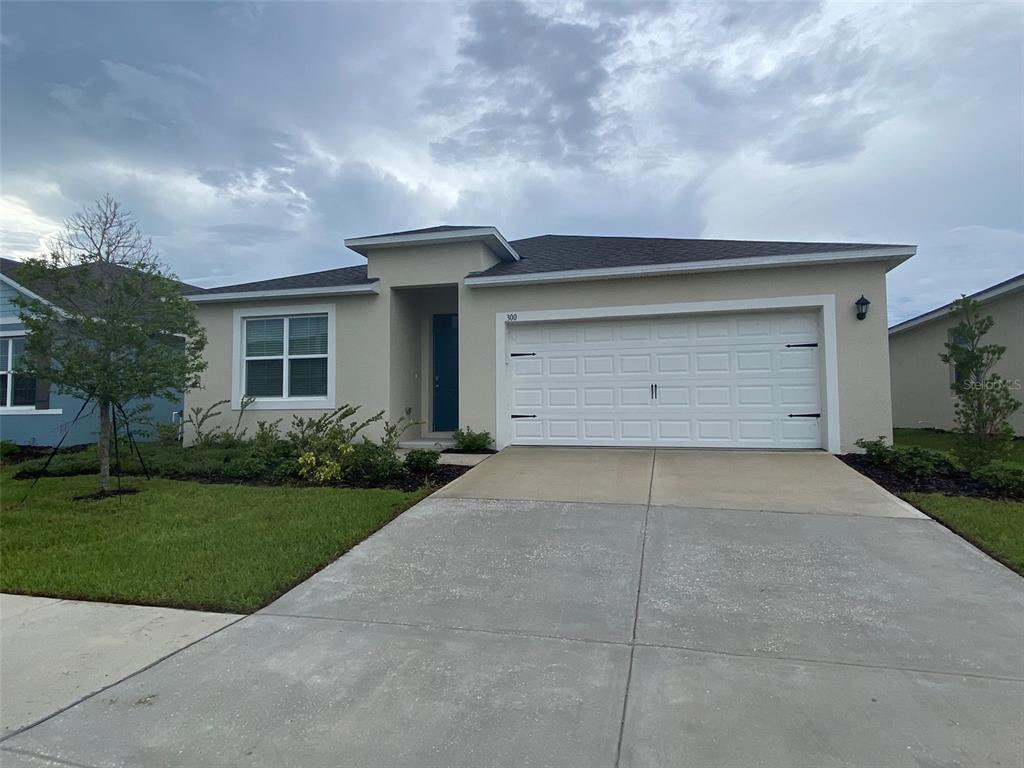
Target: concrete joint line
<point x="42" y="756"/>
<point x="105" y="688"/>
<point x="636" y="619"/>
<point x="832" y="663"/>
<point x="446" y="628"/>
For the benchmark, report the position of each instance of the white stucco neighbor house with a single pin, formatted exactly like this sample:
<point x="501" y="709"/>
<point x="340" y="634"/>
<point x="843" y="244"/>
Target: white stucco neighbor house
<point x="567" y="340"/>
<point x="921" y="395"/>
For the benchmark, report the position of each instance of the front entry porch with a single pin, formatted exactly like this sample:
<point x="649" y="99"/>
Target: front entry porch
<point x="424" y="378"/>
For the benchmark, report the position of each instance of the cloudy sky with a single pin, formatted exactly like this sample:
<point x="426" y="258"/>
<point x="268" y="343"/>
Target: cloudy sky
<point x="251" y="139"/>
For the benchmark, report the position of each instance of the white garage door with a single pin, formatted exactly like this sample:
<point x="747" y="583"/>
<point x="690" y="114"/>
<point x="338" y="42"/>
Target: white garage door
<point x="733" y="381"/>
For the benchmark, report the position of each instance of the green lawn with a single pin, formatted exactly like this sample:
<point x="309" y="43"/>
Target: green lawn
<point x="181" y="544"/>
<point x="997" y="527"/>
<point x="943" y="441"/>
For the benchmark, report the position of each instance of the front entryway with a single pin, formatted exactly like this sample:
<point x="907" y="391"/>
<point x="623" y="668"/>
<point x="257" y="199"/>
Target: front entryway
<point x="744" y="380"/>
<point x="445" y="412"/>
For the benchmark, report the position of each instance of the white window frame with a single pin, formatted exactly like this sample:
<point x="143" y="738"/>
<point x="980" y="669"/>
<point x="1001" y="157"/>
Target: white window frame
<point x="239" y="358"/>
<point x="22" y="410"/>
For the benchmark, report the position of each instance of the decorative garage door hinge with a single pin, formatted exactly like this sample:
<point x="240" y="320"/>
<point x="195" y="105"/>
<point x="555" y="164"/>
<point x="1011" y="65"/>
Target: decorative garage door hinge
<point x="804" y="415"/>
<point x="810" y="344"/>
<point x="523" y="354"/>
<point x="524" y="415"/>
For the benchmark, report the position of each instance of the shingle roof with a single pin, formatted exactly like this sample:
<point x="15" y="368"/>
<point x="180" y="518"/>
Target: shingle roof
<point x="1003" y="288"/>
<point x="554" y="253"/>
<point x="324" y="279"/>
<point x="424" y="231"/>
<point x="10" y="267"/>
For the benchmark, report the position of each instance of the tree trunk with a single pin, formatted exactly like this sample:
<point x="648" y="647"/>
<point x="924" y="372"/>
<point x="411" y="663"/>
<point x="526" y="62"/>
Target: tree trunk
<point x="103" y="447"/>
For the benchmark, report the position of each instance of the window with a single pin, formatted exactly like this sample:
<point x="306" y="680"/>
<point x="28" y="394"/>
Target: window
<point x="956" y="376"/>
<point x="286" y="357"/>
<point x="15" y="391"/>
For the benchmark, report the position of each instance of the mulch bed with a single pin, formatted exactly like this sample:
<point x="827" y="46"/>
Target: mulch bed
<point x="443" y="475"/>
<point x="106" y="494"/>
<point x="486" y="451"/>
<point x="949" y="483"/>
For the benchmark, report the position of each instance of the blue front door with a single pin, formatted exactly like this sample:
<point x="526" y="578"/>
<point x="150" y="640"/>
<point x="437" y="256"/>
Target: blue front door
<point x="446" y="373"/>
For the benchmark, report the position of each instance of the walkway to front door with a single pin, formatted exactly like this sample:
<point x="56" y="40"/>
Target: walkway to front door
<point x="601" y="608"/>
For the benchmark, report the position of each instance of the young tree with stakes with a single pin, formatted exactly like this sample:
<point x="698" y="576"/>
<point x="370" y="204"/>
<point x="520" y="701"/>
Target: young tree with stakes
<point x="114" y="325"/>
<point x="984" y="401"/>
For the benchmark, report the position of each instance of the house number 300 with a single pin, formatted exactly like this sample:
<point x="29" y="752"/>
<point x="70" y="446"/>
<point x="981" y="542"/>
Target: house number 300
<point x="511" y="317"/>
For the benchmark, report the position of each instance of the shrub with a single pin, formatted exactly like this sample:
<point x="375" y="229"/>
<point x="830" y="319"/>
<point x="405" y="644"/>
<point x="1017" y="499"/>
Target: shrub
<point x="910" y="461"/>
<point x="468" y="441"/>
<point x="373" y="465"/>
<point x="8" y="450"/>
<point x="320" y="470"/>
<point x="1003" y="477"/>
<point x="167" y="433"/>
<point x="391" y="432"/>
<point x="328" y="433"/>
<point x="217" y="436"/>
<point x="422" y="462"/>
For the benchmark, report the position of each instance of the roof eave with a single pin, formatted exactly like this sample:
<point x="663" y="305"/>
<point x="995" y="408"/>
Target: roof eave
<point x="361" y="289"/>
<point x="490" y="236"/>
<point x="982" y="297"/>
<point x="892" y="257"/>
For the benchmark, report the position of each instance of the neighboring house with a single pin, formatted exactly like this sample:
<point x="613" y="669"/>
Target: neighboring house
<point x="562" y="340"/>
<point x="921" y="395"/>
<point x="33" y="412"/>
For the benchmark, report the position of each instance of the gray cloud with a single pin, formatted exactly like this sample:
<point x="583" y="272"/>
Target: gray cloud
<point x="251" y="139"/>
<point x="533" y="80"/>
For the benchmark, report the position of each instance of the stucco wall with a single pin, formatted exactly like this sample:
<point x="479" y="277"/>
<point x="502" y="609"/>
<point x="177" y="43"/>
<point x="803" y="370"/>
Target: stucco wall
<point x="383" y="341"/>
<point x="863" y="360"/>
<point x="379" y="338"/>
<point x="921" y="396"/>
<point x="360" y="360"/>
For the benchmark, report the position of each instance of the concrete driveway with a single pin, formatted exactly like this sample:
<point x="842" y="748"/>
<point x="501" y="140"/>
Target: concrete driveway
<point x="602" y="608"/>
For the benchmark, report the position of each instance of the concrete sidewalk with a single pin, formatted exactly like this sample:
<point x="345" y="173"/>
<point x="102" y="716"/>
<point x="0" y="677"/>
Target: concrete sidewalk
<point x="54" y="653"/>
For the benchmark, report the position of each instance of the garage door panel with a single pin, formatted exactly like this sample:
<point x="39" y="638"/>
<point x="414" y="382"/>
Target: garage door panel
<point x="724" y="381"/>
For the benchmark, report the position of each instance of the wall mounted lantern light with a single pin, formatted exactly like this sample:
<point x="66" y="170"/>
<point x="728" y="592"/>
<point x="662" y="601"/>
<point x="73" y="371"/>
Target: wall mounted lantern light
<point x="862" y="307"/>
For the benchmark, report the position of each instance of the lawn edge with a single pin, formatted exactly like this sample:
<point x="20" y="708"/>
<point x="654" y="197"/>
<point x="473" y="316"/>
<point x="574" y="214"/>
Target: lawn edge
<point x="415" y="498"/>
<point x="976" y="545"/>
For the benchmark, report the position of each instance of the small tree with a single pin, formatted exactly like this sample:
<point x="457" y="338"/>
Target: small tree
<point x="984" y="403"/>
<point x="114" y="325"/>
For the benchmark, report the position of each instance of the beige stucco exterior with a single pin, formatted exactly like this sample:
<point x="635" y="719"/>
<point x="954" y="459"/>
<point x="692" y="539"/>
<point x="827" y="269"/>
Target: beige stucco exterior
<point x="382" y="357"/>
<point x="921" y="395"/>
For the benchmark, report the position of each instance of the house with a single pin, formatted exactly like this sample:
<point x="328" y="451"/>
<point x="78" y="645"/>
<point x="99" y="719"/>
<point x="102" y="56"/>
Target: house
<point x="921" y="395"/>
<point x="33" y="412"/>
<point x="567" y="340"/>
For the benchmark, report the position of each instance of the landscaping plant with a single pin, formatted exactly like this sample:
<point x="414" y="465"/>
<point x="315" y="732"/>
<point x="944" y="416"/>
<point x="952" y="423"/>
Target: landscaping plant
<point x="422" y="462"/>
<point x="468" y="441"/>
<point x="117" y="327"/>
<point x="984" y="400"/>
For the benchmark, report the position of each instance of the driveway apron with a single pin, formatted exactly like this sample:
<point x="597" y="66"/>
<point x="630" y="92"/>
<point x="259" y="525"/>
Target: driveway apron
<point x="592" y="607"/>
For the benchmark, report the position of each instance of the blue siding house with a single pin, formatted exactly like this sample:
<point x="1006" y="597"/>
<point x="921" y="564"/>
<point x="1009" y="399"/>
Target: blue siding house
<point x="33" y="412"/>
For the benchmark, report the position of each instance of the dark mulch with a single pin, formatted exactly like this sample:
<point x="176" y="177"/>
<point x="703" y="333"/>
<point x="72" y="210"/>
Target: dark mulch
<point x="487" y="451"/>
<point x="443" y="475"/>
<point x="22" y="453"/>
<point x="954" y="483"/>
<point x="106" y="494"/>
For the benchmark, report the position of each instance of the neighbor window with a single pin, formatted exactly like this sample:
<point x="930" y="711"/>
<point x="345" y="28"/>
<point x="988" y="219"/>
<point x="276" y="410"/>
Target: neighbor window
<point x="15" y="390"/>
<point x="956" y="376"/>
<point x="286" y="356"/>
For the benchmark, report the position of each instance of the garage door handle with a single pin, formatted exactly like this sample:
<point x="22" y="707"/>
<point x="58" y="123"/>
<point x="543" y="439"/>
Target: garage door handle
<point x="812" y="344"/>
<point x="804" y="415"/>
<point x="523" y="354"/>
<point x="524" y="415"/>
